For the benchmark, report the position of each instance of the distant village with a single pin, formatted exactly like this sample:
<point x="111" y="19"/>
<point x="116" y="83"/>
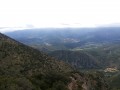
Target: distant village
<point x="111" y="69"/>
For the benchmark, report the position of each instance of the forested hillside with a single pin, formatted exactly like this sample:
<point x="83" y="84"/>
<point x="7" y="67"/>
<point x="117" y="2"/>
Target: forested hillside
<point x="24" y="68"/>
<point x="78" y="59"/>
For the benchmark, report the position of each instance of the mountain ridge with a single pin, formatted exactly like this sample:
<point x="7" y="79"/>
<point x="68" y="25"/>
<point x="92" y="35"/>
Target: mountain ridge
<point x="78" y="59"/>
<point x="25" y="68"/>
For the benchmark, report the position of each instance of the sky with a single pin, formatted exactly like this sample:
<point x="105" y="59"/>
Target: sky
<point x="20" y="14"/>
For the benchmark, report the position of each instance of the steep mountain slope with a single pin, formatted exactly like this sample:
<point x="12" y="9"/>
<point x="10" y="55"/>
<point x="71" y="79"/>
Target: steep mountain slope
<point x="25" y="56"/>
<point x="107" y="54"/>
<point x="20" y="64"/>
<point x="24" y="68"/>
<point x="78" y="59"/>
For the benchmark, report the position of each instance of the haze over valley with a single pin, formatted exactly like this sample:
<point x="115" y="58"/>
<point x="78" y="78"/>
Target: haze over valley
<point x="86" y="49"/>
<point x="59" y="45"/>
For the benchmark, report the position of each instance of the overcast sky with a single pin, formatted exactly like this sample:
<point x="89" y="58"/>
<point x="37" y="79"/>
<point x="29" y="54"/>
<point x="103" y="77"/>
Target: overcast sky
<point x="58" y="13"/>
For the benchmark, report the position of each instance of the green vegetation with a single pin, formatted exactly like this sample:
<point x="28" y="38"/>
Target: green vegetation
<point x="20" y="65"/>
<point x="87" y="49"/>
<point x="51" y="81"/>
<point x="78" y="59"/>
<point x="25" y="68"/>
<point x="107" y="54"/>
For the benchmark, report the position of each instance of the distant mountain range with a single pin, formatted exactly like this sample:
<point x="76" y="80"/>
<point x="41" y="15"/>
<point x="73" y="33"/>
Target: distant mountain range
<point x="67" y="35"/>
<point x="89" y="40"/>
